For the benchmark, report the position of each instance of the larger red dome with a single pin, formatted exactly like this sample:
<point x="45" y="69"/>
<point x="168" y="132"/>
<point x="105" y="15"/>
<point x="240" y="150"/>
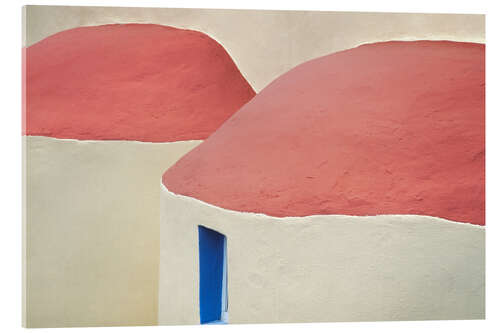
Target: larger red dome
<point x="384" y="128"/>
<point x="130" y="82"/>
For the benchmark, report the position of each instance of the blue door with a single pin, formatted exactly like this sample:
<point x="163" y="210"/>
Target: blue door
<point x="213" y="276"/>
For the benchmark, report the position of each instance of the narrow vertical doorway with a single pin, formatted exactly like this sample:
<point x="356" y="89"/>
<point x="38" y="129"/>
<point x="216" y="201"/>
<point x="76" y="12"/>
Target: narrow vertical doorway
<point x="213" y="276"/>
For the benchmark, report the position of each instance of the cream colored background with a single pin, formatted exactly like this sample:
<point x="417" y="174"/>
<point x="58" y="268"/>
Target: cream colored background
<point x="91" y="207"/>
<point x="265" y="44"/>
<point x="323" y="268"/>
<point x="92" y="246"/>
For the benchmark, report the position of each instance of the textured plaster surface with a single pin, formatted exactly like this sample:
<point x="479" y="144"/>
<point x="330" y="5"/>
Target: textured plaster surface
<point x="92" y="230"/>
<point x="265" y="44"/>
<point x="384" y="128"/>
<point x="323" y="268"/>
<point x="130" y="82"/>
<point x="105" y="194"/>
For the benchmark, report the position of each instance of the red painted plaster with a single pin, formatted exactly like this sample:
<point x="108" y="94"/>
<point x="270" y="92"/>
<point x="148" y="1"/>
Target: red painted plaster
<point x="130" y="82"/>
<point x="385" y="128"/>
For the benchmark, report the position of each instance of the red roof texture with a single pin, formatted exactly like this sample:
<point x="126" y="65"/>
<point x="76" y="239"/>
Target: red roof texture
<point x="139" y="82"/>
<point x="384" y="128"/>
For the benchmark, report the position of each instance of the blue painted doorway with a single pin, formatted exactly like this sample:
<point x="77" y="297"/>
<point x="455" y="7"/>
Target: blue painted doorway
<point x="213" y="276"/>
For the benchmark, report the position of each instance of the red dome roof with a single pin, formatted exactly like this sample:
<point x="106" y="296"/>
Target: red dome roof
<point x="130" y="82"/>
<point x="384" y="128"/>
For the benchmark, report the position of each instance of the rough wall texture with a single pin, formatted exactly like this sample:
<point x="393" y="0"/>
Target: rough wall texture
<point x="323" y="268"/>
<point x="89" y="193"/>
<point x="384" y="128"/>
<point x="92" y="233"/>
<point x="265" y="44"/>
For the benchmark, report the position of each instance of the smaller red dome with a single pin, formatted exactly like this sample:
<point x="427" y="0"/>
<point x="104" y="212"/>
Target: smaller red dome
<point x="130" y="82"/>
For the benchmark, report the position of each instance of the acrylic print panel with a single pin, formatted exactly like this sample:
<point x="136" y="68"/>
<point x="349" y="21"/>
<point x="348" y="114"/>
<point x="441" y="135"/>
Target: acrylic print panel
<point x="192" y="166"/>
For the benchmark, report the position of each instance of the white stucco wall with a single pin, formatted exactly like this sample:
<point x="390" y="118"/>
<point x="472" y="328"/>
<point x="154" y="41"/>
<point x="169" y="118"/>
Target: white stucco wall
<point x="323" y="268"/>
<point x="92" y="217"/>
<point x="92" y="230"/>
<point x="265" y="44"/>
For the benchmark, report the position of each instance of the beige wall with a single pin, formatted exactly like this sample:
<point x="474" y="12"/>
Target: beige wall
<point x="92" y="230"/>
<point x="323" y="268"/>
<point x="91" y="208"/>
<point x="265" y="44"/>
